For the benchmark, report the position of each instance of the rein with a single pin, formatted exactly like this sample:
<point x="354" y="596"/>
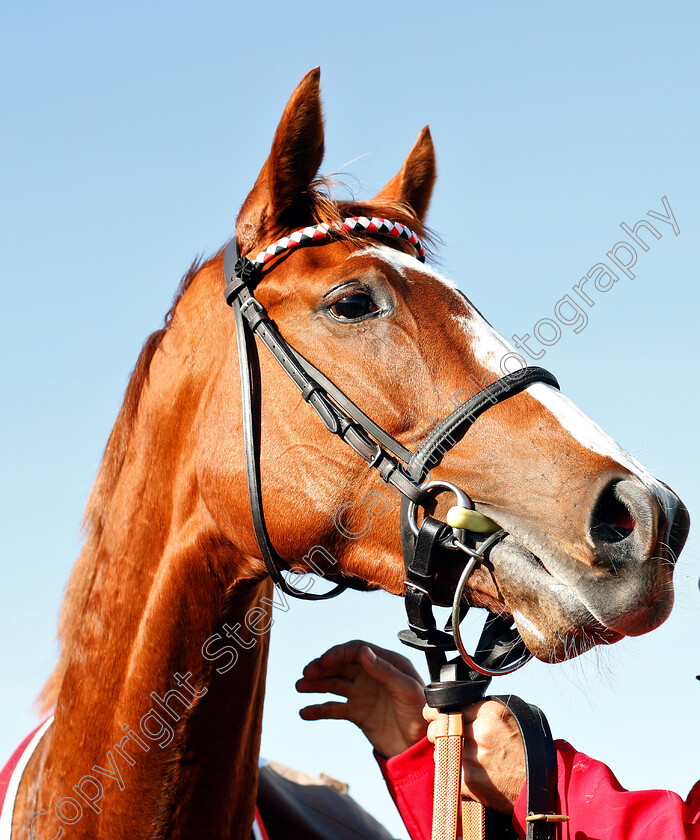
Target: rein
<point x="500" y="650"/>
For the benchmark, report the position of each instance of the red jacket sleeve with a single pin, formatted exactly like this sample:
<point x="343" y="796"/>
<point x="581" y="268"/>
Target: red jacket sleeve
<point x="692" y="806"/>
<point x="600" y="807"/>
<point x="587" y="791"/>
<point x="409" y="777"/>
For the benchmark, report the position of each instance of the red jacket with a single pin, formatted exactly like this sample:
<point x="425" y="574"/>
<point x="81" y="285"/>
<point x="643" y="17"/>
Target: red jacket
<point x="587" y="791"/>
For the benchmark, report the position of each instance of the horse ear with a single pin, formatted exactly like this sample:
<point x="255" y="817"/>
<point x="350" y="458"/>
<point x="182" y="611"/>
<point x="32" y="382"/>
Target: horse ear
<point x="280" y="197"/>
<point x="413" y="185"/>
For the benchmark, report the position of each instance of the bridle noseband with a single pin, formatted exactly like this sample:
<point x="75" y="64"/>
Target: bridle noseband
<point x="398" y="466"/>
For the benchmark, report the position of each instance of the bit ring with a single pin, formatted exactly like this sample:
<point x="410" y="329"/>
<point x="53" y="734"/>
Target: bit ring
<point x="462" y="500"/>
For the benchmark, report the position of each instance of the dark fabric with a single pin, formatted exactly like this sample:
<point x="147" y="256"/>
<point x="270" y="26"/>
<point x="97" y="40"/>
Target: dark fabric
<point x="294" y="811"/>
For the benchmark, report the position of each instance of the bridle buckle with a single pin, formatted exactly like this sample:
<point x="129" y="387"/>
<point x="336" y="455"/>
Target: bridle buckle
<point x="419" y="590"/>
<point x="251" y="301"/>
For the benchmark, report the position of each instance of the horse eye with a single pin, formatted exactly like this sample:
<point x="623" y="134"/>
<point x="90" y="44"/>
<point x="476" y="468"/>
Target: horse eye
<point x="354" y="307"/>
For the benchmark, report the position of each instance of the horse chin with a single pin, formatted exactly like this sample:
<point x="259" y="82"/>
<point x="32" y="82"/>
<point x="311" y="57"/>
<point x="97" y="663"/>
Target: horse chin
<point x="553" y="621"/>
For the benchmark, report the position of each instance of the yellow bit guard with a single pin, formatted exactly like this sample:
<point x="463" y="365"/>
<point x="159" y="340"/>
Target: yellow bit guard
<point x="470" y="520"/>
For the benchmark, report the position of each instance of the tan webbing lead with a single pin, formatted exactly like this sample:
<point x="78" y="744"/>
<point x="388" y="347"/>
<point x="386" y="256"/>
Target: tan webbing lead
<point x="448" y="783"/>
<point x="448" y="775"/>
<point x="473" y="820"/>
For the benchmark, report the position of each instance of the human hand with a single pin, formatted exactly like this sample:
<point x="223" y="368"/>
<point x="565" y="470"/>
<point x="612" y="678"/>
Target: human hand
<point x="384" y="694"/>
<point x="493" y="756"/>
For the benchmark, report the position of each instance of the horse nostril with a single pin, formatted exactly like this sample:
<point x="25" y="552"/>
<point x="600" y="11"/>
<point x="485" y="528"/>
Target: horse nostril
<point x="678" y="531"/>
<point x="611" y="521"/>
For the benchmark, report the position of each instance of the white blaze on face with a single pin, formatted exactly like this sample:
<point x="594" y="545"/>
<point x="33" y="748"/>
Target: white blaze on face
<point x="401" y="262"/>
<point x="590" y="435"/>
<point x="490" y="348"/>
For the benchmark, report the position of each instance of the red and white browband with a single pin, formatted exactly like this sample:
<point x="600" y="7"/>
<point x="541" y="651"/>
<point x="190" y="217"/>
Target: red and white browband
<point x="352" y="223"/>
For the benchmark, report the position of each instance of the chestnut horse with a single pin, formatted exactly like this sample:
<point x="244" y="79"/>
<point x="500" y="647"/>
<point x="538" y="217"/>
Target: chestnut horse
<point x="158" y="692"/>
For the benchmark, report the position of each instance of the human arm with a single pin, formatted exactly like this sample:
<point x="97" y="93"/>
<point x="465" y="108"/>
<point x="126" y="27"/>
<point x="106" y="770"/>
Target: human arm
<point x="588" y="791"/>
<point x="384" y="698"/>
<point x="493" y="756"/>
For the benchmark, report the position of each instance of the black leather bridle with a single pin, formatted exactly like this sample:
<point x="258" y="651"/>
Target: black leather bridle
<point x="339" y="414"/>
<point x="500" y="649"/>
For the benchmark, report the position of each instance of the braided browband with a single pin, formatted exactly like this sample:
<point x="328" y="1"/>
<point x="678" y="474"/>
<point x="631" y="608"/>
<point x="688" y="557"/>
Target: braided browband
<point x="352" y="223"/>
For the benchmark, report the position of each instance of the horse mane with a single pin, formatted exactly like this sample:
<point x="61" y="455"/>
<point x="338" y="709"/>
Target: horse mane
<point x="83" y="574"/>
<point x="323" y="208"/>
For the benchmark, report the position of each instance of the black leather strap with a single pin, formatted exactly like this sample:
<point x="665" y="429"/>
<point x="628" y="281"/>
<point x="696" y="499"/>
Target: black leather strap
<point x="386" y="440"/>
<point x="420" y="574"/>
<point x="466" y="414"/>
<point x="540" y="763"/>
<point x="247" y="353"/>
<point x="500" y="644"/>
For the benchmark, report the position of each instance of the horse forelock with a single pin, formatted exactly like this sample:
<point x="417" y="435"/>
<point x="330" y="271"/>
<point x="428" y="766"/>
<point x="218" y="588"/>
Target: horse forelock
<point x="320" y="205"/>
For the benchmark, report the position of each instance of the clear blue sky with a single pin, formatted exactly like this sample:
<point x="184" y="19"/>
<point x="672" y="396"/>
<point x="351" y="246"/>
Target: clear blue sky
<point x="133" y="131"/>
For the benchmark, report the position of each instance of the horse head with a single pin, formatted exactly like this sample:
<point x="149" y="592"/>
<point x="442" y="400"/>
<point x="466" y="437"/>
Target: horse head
<point x="592" y="536"/>
<point x="171" y="568"/>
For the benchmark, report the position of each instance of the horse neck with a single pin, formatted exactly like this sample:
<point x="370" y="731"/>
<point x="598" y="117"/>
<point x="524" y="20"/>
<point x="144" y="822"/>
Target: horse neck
<point x="153" y="689"/>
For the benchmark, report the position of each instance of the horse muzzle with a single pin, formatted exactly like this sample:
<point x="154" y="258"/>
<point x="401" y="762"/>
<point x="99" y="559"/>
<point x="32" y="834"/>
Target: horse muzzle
<point x="563" y="605"/>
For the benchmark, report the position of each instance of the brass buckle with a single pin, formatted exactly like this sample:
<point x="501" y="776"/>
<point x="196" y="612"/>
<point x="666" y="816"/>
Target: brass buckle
<point x="547" y="818"/>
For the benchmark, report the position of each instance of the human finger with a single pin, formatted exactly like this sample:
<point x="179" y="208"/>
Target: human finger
<point x="325" y="711"/>
<point x="326" y="685"/>
<point x="470" y="712"/>
<point x="319" y="670"/>
<point x="348" y="652"/>
<point x="400" y="662"/>
<point x="387" y="674"/>
<point x="335" y="657"/>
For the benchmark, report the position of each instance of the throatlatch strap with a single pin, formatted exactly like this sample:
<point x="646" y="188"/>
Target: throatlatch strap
<point x="273" y="562"/>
